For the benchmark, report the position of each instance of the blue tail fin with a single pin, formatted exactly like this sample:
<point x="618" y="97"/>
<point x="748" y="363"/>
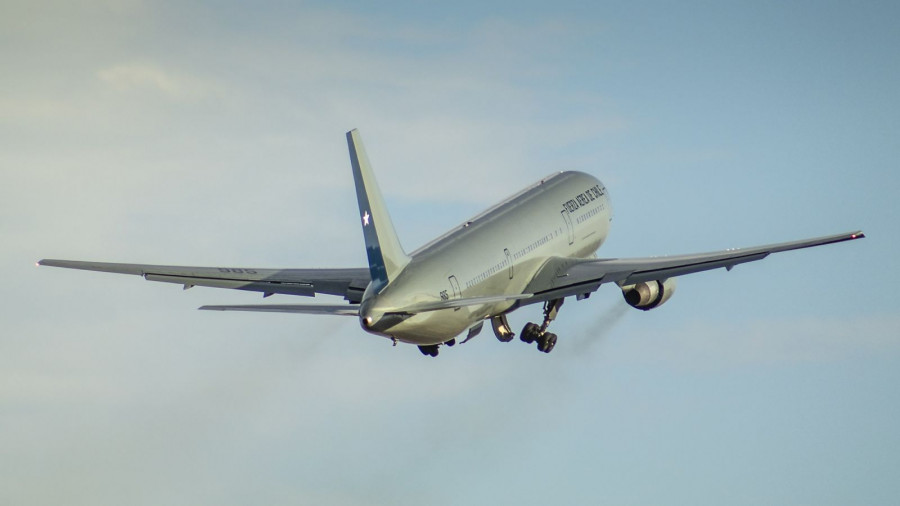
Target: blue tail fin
<point x="386" y="257"/>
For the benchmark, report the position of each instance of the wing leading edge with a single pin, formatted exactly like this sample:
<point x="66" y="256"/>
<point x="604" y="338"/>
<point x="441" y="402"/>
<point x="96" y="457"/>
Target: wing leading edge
<point x="348" y="283"/>
<point x="562" y="277"/>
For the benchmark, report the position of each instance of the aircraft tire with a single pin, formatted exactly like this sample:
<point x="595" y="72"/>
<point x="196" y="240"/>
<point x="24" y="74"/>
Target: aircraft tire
<point x="530" y="332"/>
<point x="550" y="342"/>
<point x="430" y="350"/>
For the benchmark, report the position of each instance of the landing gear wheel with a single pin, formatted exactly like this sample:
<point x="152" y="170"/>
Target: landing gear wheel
<point x="530" y="332"/>
<point x="547" y="342"/>
<point x="430" y="350"/>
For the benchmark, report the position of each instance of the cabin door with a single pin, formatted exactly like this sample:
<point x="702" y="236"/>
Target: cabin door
<point x="571" y="229"/>
<point x="454" y="289"/>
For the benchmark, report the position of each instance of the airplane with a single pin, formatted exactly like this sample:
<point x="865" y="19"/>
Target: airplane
<point x="536" y="247"/>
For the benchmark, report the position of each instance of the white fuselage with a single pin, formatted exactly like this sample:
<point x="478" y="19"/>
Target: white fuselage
<point x="497" y="252"/>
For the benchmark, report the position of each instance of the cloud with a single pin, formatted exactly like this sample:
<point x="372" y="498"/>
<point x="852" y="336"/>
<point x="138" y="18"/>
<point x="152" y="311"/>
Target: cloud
<point x="147" y="77"/>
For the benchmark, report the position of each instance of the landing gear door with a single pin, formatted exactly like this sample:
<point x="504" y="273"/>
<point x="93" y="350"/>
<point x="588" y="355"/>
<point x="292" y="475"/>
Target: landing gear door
<point x="568" y="219"/>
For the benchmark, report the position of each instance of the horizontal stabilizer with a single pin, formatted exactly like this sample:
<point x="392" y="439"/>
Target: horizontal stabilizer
<point x="456" y="303"/>
<point x="342" y="310"/>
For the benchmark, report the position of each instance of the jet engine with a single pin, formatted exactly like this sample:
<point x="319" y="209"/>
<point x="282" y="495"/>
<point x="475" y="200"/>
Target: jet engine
<point x="648" y="294"/>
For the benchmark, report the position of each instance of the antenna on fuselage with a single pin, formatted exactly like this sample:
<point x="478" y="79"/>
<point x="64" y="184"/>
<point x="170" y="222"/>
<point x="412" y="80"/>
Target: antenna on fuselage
<point x="386" y="256"/>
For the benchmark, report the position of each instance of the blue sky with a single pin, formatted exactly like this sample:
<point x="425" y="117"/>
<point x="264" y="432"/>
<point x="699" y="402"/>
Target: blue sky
<point x="212" y="134"/>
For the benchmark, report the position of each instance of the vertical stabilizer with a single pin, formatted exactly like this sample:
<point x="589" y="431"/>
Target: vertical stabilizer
<point x="386" y="256"/>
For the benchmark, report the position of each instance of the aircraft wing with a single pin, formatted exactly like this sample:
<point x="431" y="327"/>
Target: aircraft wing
<point x="348" y="283"/>
<point x="562" y="277"/>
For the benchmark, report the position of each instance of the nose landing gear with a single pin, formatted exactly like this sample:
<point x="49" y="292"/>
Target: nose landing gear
<point x="430" y="350"/>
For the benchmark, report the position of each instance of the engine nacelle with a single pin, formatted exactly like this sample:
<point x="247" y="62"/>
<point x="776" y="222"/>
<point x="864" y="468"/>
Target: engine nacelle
<point x="649" y="294"/>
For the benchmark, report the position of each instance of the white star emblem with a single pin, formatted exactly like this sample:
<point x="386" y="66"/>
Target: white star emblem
<point x="366" y="219"/>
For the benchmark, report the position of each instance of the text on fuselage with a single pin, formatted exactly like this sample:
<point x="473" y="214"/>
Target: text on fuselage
<point x="582" y="199"/>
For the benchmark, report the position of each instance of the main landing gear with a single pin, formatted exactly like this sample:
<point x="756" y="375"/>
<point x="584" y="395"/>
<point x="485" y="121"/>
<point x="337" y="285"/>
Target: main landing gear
<point x="534" y="332"/>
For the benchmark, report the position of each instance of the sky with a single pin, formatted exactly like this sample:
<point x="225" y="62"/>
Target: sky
<point x="212" y="133"/>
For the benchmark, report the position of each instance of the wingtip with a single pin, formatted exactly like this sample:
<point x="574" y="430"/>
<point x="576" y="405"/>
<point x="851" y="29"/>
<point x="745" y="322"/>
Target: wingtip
<point x="858" y="235"/>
